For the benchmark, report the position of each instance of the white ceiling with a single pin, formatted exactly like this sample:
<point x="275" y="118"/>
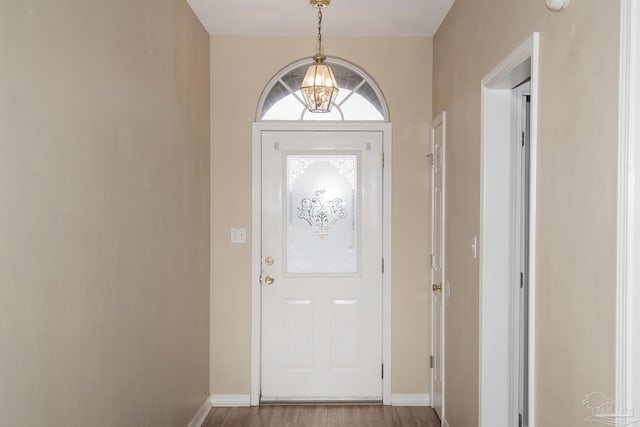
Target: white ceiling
<point x="387" y="18"/>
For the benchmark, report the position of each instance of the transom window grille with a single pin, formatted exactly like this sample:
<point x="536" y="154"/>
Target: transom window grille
<point x="359" y="98"/>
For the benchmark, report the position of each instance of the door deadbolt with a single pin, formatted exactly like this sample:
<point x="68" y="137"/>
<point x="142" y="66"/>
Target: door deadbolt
<point x="268" y="260"/>
<point x="437" y="287"/>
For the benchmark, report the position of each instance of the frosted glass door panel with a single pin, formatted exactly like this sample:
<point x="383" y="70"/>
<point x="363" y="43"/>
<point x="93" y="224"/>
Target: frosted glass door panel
<point x="322" y="213"/>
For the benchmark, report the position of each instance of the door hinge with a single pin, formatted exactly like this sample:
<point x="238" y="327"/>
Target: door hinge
<point x="383" y="265"/>
<point x="521" y="280"/>
<point x="432" y="260"/>
<point x="382" y="160"/>
<point x="522" y="138"/>
<point x="519" y="420"/>
<point x="382" y="371"/>
<point x="431" y="362"/>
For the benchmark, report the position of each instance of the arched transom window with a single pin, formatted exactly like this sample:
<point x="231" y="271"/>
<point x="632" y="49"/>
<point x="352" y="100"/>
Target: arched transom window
<point x="359" y="98"/>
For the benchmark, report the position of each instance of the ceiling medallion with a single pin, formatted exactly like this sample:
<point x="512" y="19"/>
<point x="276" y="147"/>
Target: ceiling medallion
<point x="319" y="3"/>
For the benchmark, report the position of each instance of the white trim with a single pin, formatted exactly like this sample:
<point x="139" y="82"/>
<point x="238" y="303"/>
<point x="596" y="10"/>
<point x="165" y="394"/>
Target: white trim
<point x="256" y="289"/>
<point x="201" y="415"/>
<point x="628" y="230"/>
<point x="230" y="400"/>
<point x="533" y="215"/>
<point x="410" y="400"/>
<point x="386" y="254"/>
<point x="256" y="245"/>
<point x="494" y="332"/>
<point x="350" y="400"/>
<point x="445" y="423"/>
<point x="441" y="119"/>
<point x="622" y="392"/>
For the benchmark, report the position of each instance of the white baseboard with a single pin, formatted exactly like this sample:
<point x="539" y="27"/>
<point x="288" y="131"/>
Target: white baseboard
<point x="201" y="414"/>
<point x="410" y="400"/>
<point x="230" y="400"/>
<point x="239" y="400"/>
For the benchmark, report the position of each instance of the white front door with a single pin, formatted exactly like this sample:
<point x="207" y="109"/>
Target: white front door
<point x="437" y="258"/>
<point x="321" y="265"/>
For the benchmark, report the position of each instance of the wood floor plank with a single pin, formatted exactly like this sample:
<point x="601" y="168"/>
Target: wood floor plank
<point x="414" y="416"/>
<point x="322" y="416"/>
<point x="369" y="415"/>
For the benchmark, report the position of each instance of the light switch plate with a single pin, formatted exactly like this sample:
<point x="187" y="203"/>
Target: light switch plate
<point x="238" y="235"/>
<point x="474" y="247"/>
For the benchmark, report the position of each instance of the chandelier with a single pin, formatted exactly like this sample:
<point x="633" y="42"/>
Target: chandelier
<point x="319" y="87"/>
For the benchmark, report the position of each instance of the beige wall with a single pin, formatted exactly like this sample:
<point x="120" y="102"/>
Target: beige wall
<point x="240" y="68"/>
<point x="576" y="194"/>
<point x="104" y="213"/>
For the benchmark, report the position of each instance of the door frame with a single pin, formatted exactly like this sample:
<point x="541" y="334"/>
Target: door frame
<point x="496" y="310"/>
<point x="628" y="226"/>
<point x="256" y="237"/>
<point x="520" y="159"/>
<point x="440" y="120"/>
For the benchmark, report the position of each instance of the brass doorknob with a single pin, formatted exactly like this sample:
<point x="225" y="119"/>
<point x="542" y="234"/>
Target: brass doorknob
<point x="437" y="287"/>
<point x="269" y="279"/>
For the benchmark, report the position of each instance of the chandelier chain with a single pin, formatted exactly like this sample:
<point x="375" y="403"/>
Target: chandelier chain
<point x="319" y="87"/>
<point x="319" y="30"/>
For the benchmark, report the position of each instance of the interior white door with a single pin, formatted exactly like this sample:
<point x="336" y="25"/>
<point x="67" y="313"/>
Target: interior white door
<point x="321" y="266"/>
<point x="437" y="258"/>
<point x="522" y="105"/>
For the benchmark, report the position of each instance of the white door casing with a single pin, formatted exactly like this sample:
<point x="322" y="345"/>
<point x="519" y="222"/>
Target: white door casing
<point x="259" y="129"/>
<point x="437" y="235"/>
<point x="499" y="295"/>
<point x="322" y="266"/>
<point x="628" y="232"/>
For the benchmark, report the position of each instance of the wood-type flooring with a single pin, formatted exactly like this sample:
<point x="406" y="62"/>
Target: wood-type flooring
<point x="322" y="416"/>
